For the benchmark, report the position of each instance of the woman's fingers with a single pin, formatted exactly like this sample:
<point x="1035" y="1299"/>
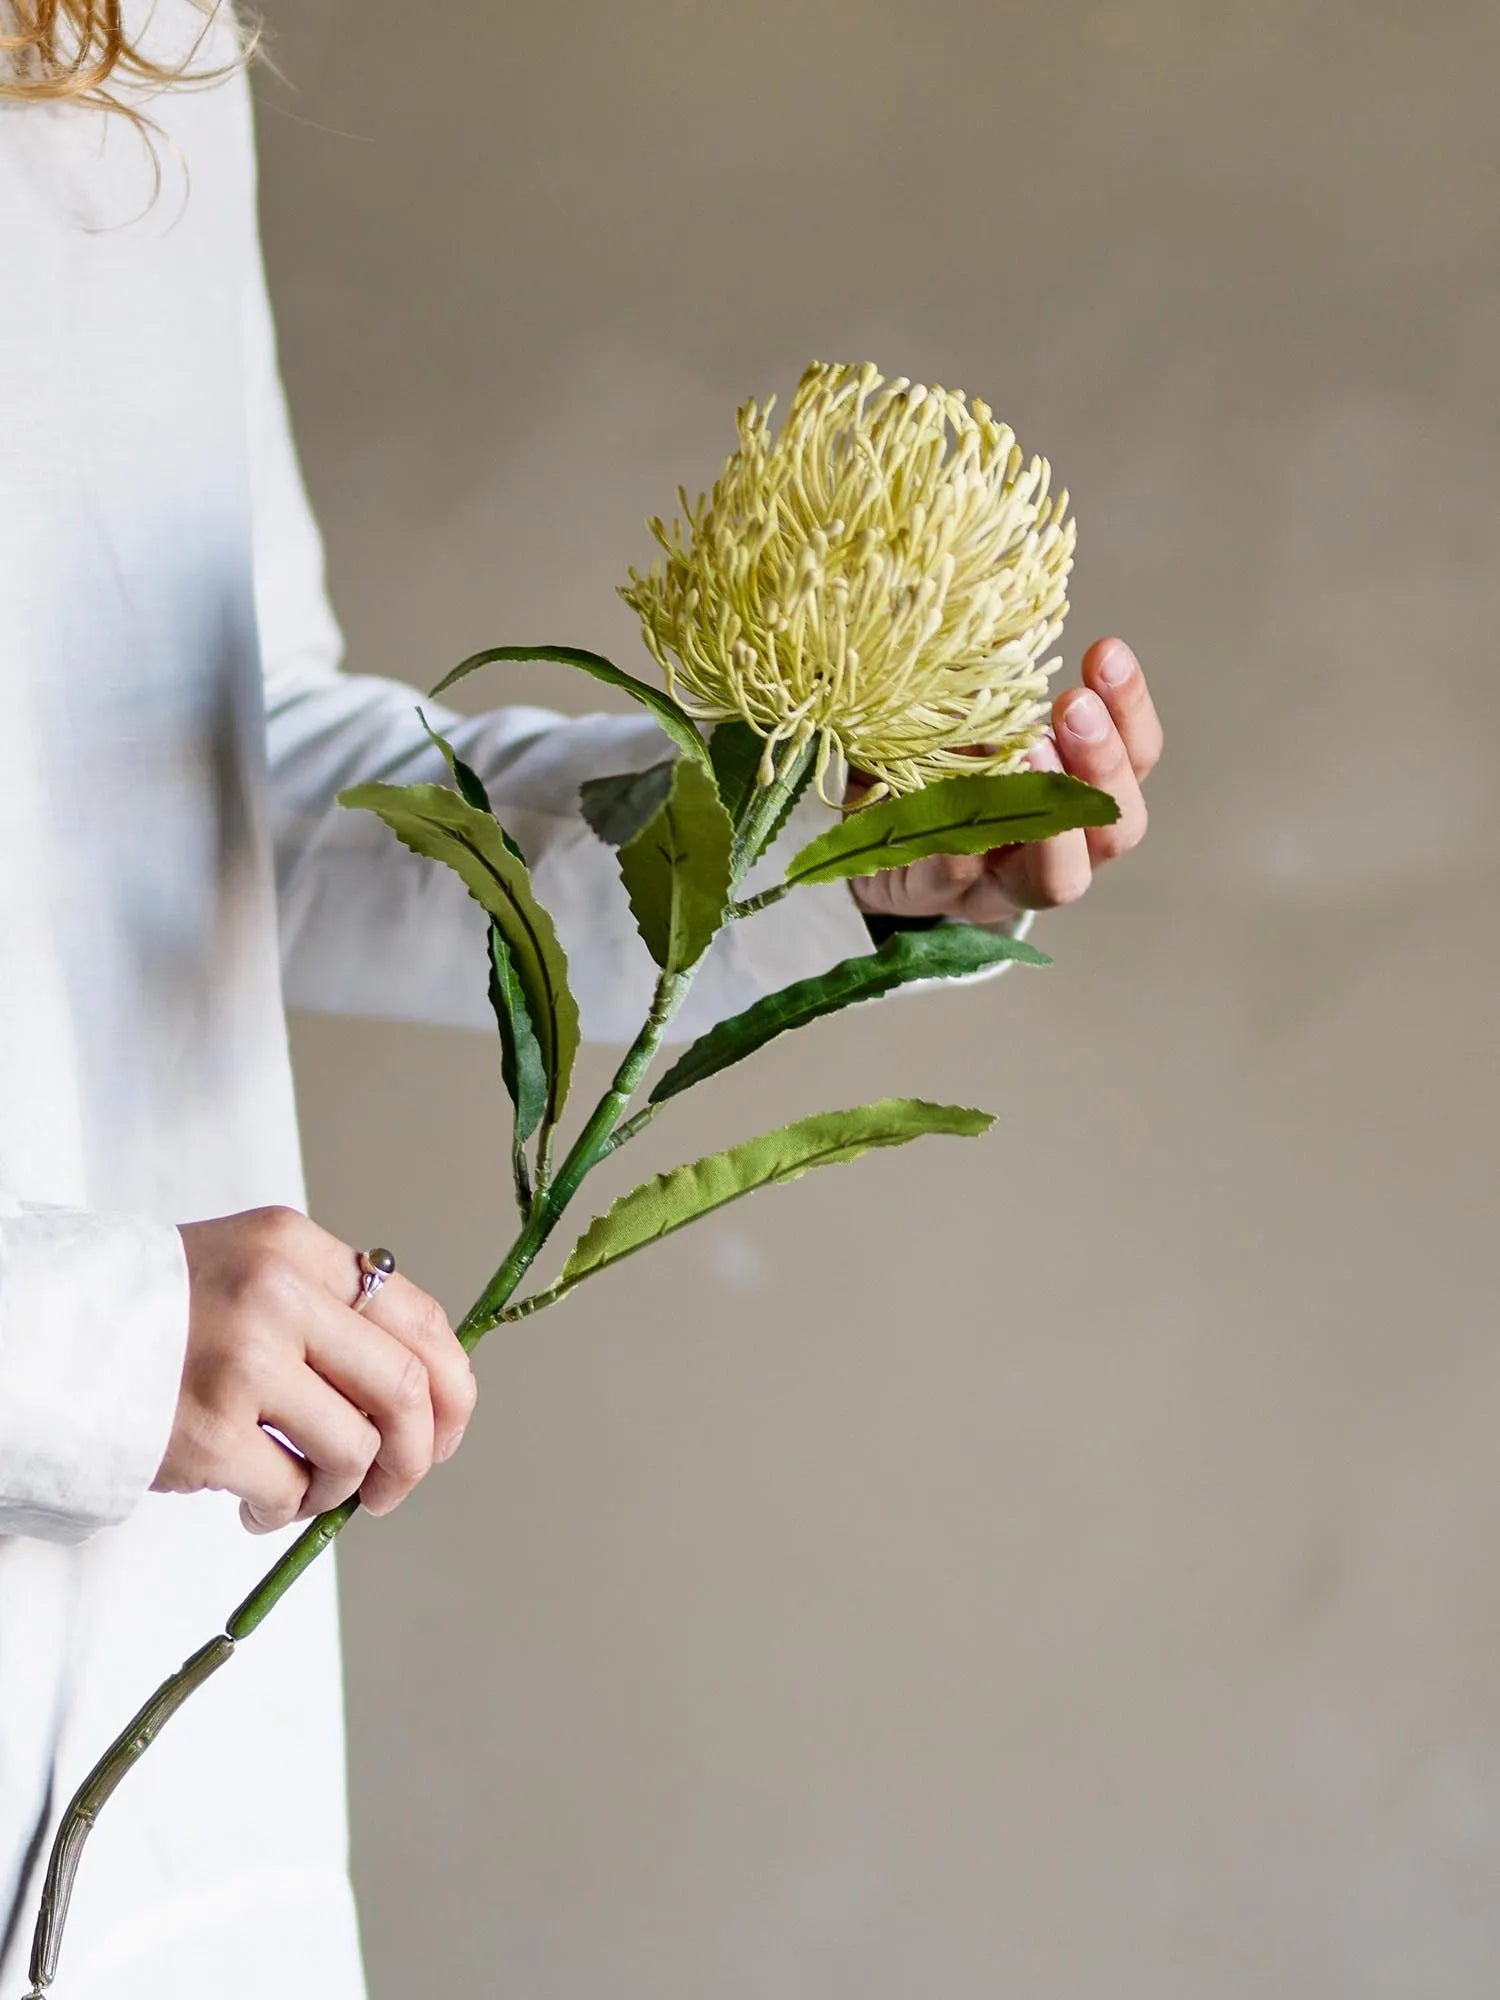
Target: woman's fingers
<point x="1107" y="733"/>
<point x="1114" y="673"/>
<point x="415" y="1319"/>
<point x="1092" y="748"/>
<point x="421" y="1326"/>
<point x="365" y="1401"/>
<point x="383" y="1378"/>
<point x="1050" y="873"/>
<point x="338" y="1443"/>
<point x="934" y="887"/>
<point x="272" y="1483"/>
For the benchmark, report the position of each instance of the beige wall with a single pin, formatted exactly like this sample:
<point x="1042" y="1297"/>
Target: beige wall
<point x="1061" y="1570"/>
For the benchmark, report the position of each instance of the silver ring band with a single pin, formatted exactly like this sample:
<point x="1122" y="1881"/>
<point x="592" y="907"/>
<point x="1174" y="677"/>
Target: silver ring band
<point x="375" y="1266"/>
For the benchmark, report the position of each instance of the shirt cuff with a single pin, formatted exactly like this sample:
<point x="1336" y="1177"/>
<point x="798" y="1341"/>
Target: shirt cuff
<point x="93" y="1330"/>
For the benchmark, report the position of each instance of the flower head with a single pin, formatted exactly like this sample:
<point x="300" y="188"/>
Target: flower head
<point x="883" y="576"/>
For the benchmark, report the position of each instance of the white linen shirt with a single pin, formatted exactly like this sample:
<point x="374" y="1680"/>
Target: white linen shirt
<point x="173" y="727"/>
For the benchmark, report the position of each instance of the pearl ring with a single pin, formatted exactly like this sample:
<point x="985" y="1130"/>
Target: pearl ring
<point x="375" y="1266"/>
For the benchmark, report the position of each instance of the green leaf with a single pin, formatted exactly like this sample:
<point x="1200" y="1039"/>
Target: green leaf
<point x="470" y="785"/>
<point x="954" y="816"/>
<point x="439" y="825"/>
<point x="674" y="719"/>
<point x="676" y="869"/>
<point x="618" y="807"/>
<point x="948" y="952"/>
<point x="521" y="1063"/>
<point x="735" y="752"/>
<point x="668" y="1203"/>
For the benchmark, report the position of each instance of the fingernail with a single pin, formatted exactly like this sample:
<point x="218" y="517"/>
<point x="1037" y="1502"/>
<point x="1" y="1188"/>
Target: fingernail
<point x="1087" y="718"/>
<point x="451" y="1443"/>
<point x="1044" y="755"/>
<point x="1116" y="664"/>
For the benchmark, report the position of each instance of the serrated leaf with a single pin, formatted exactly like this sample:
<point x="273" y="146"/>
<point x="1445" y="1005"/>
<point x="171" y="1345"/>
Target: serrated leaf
<point x="676" y="870"/>
<point x="471" y="788"/>
<point x="735" y="752"/>
<point x="618" y="807"/>
<point x="954" y="816"/>
<point x="521" y="1065"/>
<point x="470" y="785"/>
<point x="440" y="826"/>
<point x="668" y="1203"/>
<point x="949" y="952"/>
<point x="674" y="719"/>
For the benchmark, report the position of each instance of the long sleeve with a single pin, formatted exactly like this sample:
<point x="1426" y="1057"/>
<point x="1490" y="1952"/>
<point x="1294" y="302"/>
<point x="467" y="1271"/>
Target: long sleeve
<point x="93" y="1321"/>
<point x="367" y="928"/>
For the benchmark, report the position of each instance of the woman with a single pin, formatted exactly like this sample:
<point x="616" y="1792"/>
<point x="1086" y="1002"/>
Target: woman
<point x="173" y="727"/>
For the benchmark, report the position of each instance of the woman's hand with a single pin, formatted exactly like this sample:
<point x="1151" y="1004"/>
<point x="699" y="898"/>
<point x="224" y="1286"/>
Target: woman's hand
<point x="369" y="1400"/>
<point x="1108" y="734"/>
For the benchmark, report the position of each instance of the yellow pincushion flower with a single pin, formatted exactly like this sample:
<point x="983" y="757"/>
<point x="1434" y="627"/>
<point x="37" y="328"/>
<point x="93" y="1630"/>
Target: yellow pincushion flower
<point x="884" y="576"/>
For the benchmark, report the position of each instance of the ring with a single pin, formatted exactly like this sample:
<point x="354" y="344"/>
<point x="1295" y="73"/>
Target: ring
<point x="375" y="1266"/>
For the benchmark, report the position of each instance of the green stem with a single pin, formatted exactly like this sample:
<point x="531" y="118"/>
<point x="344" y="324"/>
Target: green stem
<point x="549" y="1198"/>
<point x="592" y="1143"/>
<point x="630" y="1127"/>
<point x="533" y="1302"/>
<point x="544" y="1156"/>
<point x="763" y="901"/>
<point x="77" y="1823"/>
<point x="283" y="1573"/>
<point x="522" y="1174"/>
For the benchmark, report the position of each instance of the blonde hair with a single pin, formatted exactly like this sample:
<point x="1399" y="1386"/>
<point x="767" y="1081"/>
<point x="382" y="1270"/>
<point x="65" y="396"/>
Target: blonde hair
<point x="80" y="50"/>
